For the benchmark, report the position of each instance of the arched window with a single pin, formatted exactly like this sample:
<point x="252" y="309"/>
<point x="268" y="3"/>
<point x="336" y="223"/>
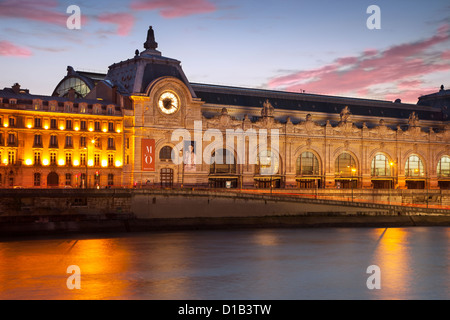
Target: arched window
<point x="380" y="166"/>
<point x="165" y="154"/>
<point x="443" y="167"/>
<point x="222" y="162"/>
<point x="345" y="165"/>
<point x="307" y="164"/>
<point x="267" y="163"/>
<point x="414" y="167"/>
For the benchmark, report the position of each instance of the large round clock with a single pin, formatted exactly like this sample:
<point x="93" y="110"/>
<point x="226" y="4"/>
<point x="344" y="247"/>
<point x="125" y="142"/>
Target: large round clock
<point x="168" y="103"/>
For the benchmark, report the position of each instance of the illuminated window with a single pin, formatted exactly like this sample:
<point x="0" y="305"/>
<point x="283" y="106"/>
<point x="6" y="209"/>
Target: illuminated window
<point x="222" y="161"/>
<point x="37" y="141"/>
<point x="53" y="141"/>
<point x="37" y="123"/>
<point x="37" y="158"/>
<point x="414" y="167"/>
<point x="111" y="143"/>
<point x="96" y="159"/>
<point x="12" y="139"/>
<point x="110" y="160"/>
<point x="267" y="163"/>
<point x="82" y="159"/>
<point x="53" y="158"/>
<point x="68" y="158"/>
<point x="69" y="142"/>
<point x="380" y="166"/>
<point x="83" y="141"/>
<point x="11" y="157"/>
<point x="307" y="164"/>
<point x="443" y="168"/>
<point x="345" y="165"/>
<point x="80" y="87"/>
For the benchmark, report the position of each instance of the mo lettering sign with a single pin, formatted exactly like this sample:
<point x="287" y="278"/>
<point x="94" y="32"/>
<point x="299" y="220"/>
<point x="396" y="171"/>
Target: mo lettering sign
<point x="148" y="155"/>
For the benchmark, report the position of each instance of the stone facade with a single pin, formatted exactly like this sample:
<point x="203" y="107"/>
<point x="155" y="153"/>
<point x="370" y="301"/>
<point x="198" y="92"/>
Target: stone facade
<point x="321" y="142"/>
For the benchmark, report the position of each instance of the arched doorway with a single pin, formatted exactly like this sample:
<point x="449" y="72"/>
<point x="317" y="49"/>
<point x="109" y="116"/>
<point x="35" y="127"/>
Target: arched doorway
<point x="415" y="176"/>
<point x="52" y="179"/>
<point x="346" y="171"/>
<point x="382" y="172"/>
<point x="308" y="171"/>
<point x="222" y="171"/>
<point x="267" y="170"/>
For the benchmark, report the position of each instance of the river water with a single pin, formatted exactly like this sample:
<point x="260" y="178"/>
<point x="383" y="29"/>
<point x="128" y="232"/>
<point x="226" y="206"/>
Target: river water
<point x="414" y="263"/>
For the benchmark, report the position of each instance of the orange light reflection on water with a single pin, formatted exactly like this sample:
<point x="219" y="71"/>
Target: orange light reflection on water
<point x="393" y="257"/>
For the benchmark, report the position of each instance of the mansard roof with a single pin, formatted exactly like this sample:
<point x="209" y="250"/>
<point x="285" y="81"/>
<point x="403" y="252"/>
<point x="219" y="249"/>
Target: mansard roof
<point x="246" y="97"/>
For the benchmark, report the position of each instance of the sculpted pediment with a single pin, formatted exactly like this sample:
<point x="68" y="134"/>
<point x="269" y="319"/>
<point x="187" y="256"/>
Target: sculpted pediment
<point x="309" y="126"/>
<point x="382" y="131"/>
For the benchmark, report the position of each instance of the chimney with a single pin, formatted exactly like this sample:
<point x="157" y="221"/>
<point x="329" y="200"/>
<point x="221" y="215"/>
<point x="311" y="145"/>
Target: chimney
<point x="16" y="88"/>
<point x="114" y="94"/>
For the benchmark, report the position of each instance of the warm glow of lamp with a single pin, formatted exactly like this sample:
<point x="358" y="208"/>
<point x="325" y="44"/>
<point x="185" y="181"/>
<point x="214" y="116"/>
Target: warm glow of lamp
<point x="91" y="129"/>
<point x="45" y="162"/>
<point x="353" y="170"/>
<point x="118" y="163"/>
<point x="90" y="163"/>
<point x="28" y="162"/>
<point x="61" y="128"/>
<point x="5" y="125"/>
<point x="77" y="129"/>
<point x="46" y="127"/>
<point x="118" y="130"/>
<point x="105" y="130"/>
<point x="29" y="126"/>
<point x="61" y="162"/>
<point x="104" y="163"/>
<point x="93" y="141"/>
<point x="76" y="163"/>
<point x="5" y="161"/>
<point x="391" y="164"/>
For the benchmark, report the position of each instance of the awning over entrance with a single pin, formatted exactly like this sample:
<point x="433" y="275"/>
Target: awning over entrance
<point x="267" y="178"/>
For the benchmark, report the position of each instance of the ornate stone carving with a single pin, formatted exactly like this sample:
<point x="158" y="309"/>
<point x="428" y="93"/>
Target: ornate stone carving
<point x="267" y="110"/>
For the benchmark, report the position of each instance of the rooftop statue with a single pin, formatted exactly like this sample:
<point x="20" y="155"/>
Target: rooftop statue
<point x="150" y="43"/>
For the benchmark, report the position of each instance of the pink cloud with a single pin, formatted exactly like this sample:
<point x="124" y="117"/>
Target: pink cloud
<point x="175" y="8"/>
<point x="9" y="49"/>
<point x="398" y="64"/>
<point x="445" y="55"/>
<point x="124" y="21"/>
<point x="43" y="11"/>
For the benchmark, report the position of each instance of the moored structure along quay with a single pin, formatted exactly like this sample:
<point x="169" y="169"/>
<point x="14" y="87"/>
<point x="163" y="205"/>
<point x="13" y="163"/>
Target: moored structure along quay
<point x="115" y="130"/>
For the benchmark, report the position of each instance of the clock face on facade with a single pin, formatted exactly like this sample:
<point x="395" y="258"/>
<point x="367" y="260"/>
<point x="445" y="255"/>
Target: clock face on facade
<point x="168" y="103"/>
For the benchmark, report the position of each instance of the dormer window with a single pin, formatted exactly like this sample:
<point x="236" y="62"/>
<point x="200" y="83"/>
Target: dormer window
<point x="12" y="101"/>
<point x="67" y="107"/>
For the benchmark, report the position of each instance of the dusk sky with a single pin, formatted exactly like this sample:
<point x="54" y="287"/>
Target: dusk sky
<point x="321" y="47"/>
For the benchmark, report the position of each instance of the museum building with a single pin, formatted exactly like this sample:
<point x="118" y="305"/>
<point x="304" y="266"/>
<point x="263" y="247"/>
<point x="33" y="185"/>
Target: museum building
<point x="116" y="130"/>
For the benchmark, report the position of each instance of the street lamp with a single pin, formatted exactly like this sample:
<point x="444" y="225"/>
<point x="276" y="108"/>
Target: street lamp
<point x="353" y="170"/>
